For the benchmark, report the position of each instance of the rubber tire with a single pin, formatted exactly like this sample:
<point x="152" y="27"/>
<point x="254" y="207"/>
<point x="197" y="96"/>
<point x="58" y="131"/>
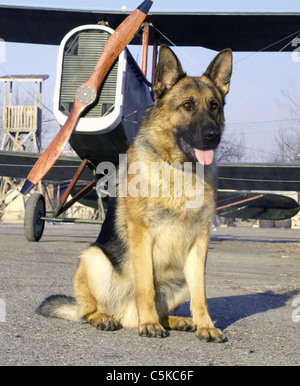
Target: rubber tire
<point x="33" y="225"/>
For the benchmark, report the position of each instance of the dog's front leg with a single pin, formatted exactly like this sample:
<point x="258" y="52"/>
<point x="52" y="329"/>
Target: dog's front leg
<point x="195" y="276"/>
<point x="141" y="251"/>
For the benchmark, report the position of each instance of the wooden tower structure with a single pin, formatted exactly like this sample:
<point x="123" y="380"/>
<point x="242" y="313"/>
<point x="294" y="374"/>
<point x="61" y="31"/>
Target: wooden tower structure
<point x="21" y="124"/>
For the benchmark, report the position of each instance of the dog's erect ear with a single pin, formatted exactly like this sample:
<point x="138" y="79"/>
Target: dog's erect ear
<point x="220" y="69"/>
<point x="168" y="72"/>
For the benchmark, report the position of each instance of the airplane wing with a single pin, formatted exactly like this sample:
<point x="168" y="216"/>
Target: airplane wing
<point x="256" y="206"/>
<point x="259" y="177"/>
<point x="18" y="165"/>
<point x="238" y="203"/>
<point x="244" y="191"/>
<point x="242" y="177"/>
<point x="247" y="31"/>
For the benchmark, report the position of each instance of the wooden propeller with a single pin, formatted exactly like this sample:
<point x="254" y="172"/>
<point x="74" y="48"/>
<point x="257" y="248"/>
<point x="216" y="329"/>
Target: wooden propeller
<point x="87" y="93"/>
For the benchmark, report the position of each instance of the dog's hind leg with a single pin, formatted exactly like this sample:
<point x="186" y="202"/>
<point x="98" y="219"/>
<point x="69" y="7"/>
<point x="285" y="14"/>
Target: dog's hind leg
<point x="91" y="285"/>
<point x="178" y="323"/>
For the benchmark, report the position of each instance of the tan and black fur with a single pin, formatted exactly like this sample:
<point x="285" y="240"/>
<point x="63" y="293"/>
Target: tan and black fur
<point x="151" y="253"/>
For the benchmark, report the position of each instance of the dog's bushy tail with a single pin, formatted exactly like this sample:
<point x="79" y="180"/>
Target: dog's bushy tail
<point x="59" y="306"/>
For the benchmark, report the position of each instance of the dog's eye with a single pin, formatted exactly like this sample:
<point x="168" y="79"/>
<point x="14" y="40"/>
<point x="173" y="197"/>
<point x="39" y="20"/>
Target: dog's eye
<point x="187" y="105"/>
<point x="213" y="106"/>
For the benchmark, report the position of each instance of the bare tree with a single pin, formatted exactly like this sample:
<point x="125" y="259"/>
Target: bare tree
<point x="288" y="146"/>
<point x="287" y="141"/>
<point x="231" y="150"/>
<point x="50" y="126"/>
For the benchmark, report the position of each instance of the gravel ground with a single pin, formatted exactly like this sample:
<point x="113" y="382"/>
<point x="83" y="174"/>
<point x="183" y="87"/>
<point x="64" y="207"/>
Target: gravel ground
<point x="253" y="289"/>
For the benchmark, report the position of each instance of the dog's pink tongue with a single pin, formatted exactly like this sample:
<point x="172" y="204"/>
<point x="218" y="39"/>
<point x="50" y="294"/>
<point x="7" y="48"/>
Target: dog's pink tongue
<point x="205" y="157"/>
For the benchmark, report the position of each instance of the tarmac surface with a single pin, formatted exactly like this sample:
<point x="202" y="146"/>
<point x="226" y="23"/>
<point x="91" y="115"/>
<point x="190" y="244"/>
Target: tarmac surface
<point x="253" y="290"/>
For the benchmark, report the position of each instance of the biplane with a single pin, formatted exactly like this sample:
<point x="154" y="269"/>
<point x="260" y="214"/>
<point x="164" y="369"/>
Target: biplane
<point x="101" y="94"/>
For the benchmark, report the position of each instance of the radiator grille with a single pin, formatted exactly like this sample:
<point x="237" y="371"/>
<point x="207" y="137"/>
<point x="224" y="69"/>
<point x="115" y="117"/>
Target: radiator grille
<point x="81" y="54"/>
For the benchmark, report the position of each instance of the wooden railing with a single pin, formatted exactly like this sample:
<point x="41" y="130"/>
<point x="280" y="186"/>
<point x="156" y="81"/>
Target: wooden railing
<point x="21" y="118"/>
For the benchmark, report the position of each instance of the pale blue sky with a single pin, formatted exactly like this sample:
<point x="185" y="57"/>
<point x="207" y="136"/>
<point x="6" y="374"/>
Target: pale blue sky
<point x="258" y="78"/>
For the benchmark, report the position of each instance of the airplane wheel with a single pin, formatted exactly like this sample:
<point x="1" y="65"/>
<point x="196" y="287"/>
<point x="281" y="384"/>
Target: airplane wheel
<point x="33" y="225"/>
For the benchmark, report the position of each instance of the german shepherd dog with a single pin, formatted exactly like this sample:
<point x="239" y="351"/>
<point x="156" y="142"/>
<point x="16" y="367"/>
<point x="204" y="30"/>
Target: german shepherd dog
<point x="151" y="253"/>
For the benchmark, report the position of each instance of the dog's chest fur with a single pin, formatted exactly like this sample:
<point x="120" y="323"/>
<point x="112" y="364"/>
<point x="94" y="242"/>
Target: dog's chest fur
<point x="172" y="227"/>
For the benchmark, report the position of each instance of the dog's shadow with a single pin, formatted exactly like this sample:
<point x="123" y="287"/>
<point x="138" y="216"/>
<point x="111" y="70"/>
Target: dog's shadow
<point x="225" y="311"/>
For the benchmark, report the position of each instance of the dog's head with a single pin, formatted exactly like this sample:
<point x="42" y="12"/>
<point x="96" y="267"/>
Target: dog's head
<point x="192" y="107"/>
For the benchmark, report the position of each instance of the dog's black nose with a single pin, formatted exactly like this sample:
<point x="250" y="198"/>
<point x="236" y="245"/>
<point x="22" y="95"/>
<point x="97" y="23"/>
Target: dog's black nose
<point x="212" y="136"/>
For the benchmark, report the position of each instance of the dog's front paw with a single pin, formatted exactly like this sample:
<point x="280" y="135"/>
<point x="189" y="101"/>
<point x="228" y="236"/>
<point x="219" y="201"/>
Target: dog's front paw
<point x="107" y="324"/>
<point x="210" y="335"/>
<point x="103" y="322"/>
<point x="152" y="330"/>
